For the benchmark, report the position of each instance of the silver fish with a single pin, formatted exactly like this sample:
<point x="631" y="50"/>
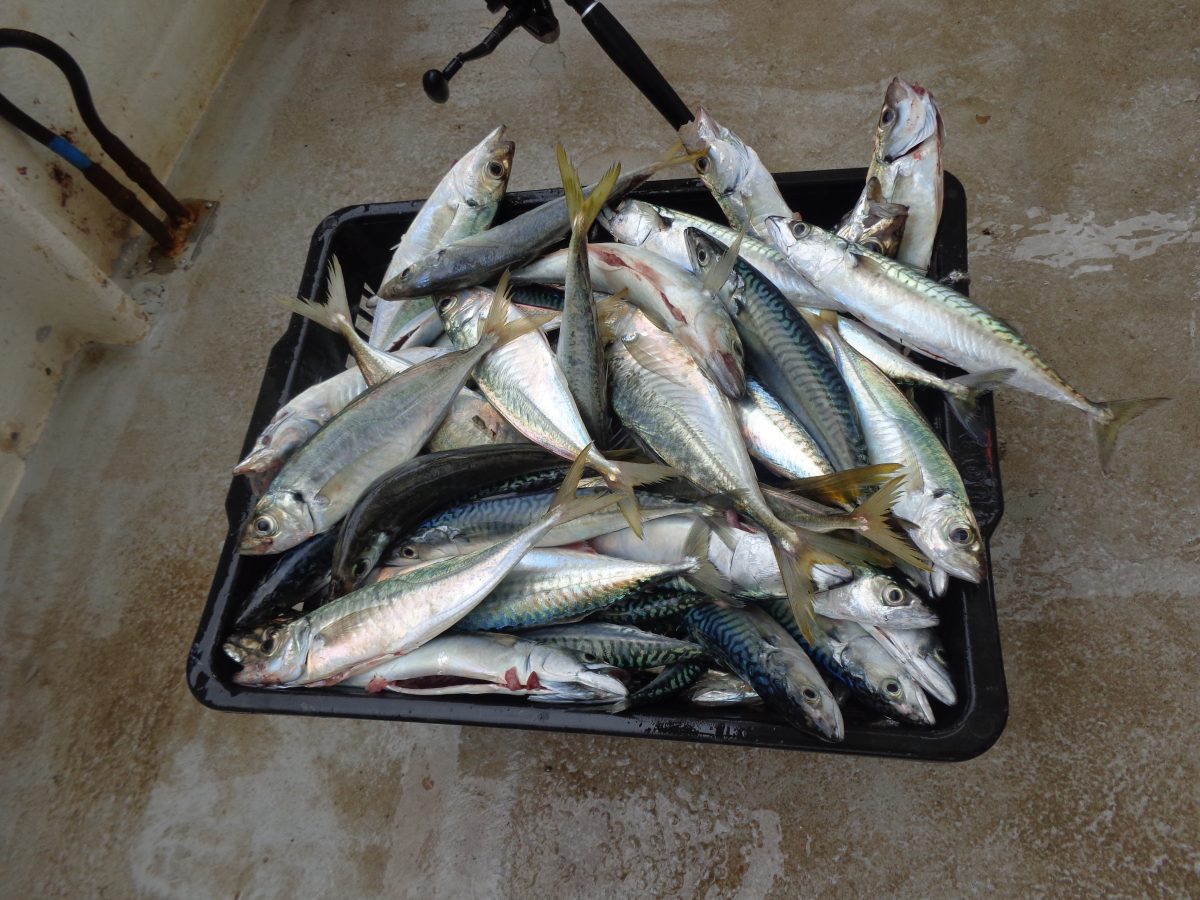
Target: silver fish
<point x="874" y="598"/>
<point x="775" y="438"/>
<point x="664" y="231"/>
<point x="476" y="259"/>
<point x="393" y="617"/>
<point x="852" y="655"/>
<point x="673" y="298"/>
<point x="523" y="381"/>
<point x="579" y="352"/>
<point x="921" y="652"/>
<point x="936" y="320"/>
<point x="744" y="557"/>
<point x="462" y="528"/>
<point x="463" y="204"/>
<point x="302" y="417"/>
<point x="662" y="396"/>
<point x="493" y="664"/>
<point x="732" y="171"/>
<point x="934" y="500"/>
<point x="378" y="430"/>
<point x="618" y="645"/>
<point x="716" y="688"/>
<point x="554" y="585"/>
<point x="907" y="166"/>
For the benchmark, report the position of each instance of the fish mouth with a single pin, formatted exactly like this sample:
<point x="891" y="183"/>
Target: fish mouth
<point x="252" y="545"/>
<point x="829" y="726"/>
<point x="918" y="711"/>
<point x="234" y="651"/>
<point x="899" y="90"/>
<point x="971" y="571"/>
<point x="590" y="687"/>
<point x="939" y="581"/>
<point x="254" y="463"/>
<point x="936" y="681"/>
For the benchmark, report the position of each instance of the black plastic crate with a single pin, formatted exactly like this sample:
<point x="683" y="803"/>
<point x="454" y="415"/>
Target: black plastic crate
<point x="361" y="238"/>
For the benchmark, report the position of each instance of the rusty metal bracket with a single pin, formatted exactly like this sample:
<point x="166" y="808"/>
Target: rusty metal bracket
<point x="170" y="234"/>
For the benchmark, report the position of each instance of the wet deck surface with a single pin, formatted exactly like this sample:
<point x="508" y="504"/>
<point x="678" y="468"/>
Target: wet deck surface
<point x="1075" y="139"/>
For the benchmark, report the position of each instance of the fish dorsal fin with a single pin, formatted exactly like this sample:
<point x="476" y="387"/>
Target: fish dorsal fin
<point x="715" y="277"/>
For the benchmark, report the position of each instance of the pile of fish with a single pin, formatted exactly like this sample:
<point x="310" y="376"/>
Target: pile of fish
<point x="673" y="459"/>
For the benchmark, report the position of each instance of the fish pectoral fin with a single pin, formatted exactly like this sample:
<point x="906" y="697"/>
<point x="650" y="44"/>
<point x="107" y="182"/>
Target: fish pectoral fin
<point x="651" y="363"/>
<point x="348" y="625"/>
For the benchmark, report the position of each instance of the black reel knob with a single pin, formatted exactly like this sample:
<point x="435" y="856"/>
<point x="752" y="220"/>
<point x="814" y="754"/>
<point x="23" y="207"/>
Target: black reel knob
<point x="437" y="88"/>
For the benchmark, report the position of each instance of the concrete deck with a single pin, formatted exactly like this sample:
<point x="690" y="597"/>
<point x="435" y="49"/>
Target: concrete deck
<point x="1073" y="128"/>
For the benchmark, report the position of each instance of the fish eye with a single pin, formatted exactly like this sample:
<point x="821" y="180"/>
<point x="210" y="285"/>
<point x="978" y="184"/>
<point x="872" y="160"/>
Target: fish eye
<point x="891" y="687"/>
<point x="873" y="246"/>
<point x="702" y="165"/>
<point x="406" y="273"/>
<point x="264" y="524"/>
<point x="889" y="116"/>
<point x="267" y="644"/>
<point x="495" y="169"/>
<point x="940" y="655"/>
<point x="960" y="535"/>
<point x="940" y="493"/>
<point x="799" y="229"/>
<point x="702" y="256"/>
<point x="810" y="696"/>
<point x="360" y="567"/>
<point x="444" y="303"/>
<point x="409" y="552"/>
<point x="893" y="596"/>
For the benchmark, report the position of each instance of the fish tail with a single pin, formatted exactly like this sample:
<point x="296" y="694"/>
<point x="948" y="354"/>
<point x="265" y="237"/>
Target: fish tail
<point x="796" y="568"/>
<point x="964" y="402"/>
<point x="570" y="483"/>
<point x="874" y="516"/>
<point x="703" y="576"/>
<point x="582" y="210"/>
<point x="843" y="488"/>
<point x="1110" y="417"/>
<point x="497" y="329"/>
<point x="678" y="155"/>
<point x="833" y="550"/>
<point x="334" y="313"/>
<point x="566" y="506"/>
<point x="625" y="476"/>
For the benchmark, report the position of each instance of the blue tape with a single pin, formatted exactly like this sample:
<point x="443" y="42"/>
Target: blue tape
<point x="70" y="153"/>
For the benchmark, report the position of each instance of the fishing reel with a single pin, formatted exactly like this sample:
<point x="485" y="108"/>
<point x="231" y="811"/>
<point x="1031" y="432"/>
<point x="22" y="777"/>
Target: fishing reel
<point x="536" y="17"/>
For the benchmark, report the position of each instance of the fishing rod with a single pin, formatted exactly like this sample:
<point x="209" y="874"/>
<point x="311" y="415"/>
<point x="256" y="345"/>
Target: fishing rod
<point x="537" y="18"/>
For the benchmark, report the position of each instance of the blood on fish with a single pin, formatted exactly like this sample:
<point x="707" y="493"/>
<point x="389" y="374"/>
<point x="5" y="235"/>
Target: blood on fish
<point x="511" y="681"/>
<point x="642" y="270"/>
<point x="533" y="684"/>
<point x="377" y="685"/>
